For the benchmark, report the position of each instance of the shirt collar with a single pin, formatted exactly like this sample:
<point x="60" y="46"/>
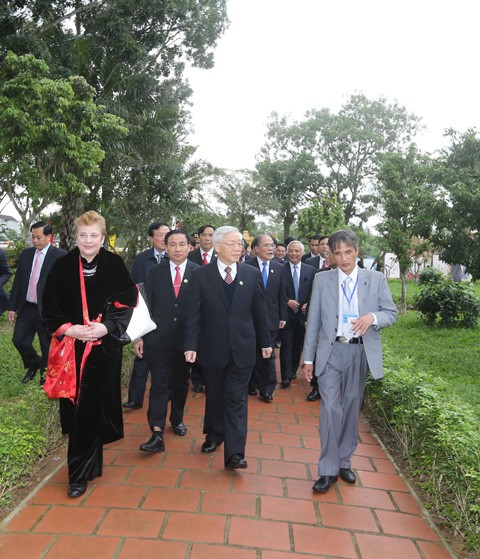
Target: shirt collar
<point x="222" y="266"/>
<point x="182" y="266"/>
<point x="343" y="275"/>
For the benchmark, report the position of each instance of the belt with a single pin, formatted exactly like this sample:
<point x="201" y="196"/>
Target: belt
<point x="344" y="340"/>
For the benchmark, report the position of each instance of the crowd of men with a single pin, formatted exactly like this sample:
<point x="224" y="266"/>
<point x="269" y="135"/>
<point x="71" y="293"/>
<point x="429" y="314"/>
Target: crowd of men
<point x="221" y="308"/>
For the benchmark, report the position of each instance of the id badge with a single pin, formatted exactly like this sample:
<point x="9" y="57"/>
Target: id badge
<point x="347" y="319"/>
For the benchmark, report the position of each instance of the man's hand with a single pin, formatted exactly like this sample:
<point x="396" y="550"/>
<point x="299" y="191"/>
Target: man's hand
<point x="282" y="324"/>
<point x="308" y="371"/>
<point x="190" y="356"/>
<point x="362" y="324"/>
<point x="293" y="304"/>
<point x="266" y="352"/>
<point x="138" y="347"/>
<point x="11" y="316"/>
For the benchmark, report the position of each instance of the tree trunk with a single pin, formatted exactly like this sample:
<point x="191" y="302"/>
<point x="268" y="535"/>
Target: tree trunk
<point x="403" y="299"/>
<point x="72" y="207"/>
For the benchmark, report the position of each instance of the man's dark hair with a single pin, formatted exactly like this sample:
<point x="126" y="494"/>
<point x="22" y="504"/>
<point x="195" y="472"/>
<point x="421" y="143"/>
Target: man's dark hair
<point x="281" y="245"/>
<point x="245" y="243"/>
<point x="288" y="240"/>
<point x="256" y="240"/>
<point x="177" y="232"/>
<point x="343" y="236"/>
<point x="202" y="228"/>
<point x="154" y="226"/>
<point x="323" y="237"/>
<point x="316" y="237"/>
<point x="47" y="228"/>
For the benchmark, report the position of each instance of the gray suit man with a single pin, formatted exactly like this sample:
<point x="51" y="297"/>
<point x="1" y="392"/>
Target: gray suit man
<point x="347" y="309"/>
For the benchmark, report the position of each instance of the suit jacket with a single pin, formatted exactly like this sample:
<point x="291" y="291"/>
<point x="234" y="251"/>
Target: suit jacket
<point x="142" y="264"/>
<point x="305" y="280"/>
<point x="217" y="332"/>
<point x="275" y="293"/>
<point x="5" y="274"/>
<point x="18" y="294"/>
<point x="167" y="311"/>
<point x="373" y="296"/>
<point x="307" y="256"/>
<point x="196" y="255"/>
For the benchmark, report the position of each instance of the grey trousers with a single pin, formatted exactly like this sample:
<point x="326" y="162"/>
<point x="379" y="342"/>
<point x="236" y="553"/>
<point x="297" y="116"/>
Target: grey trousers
<point x="341" y="385"/>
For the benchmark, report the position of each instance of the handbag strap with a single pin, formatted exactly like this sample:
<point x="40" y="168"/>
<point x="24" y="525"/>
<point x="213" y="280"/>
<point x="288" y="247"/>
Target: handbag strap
<point x="82" y="291"/>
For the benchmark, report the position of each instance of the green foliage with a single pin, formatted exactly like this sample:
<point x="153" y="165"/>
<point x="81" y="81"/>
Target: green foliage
<point x="448" y="303"/>
<point x="323" y="216"/>
<point x="430" y="275"/>
<point x="438" y="434"/>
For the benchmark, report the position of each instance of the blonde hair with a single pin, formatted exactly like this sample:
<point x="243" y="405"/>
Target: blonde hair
<point x="91" y="218"/>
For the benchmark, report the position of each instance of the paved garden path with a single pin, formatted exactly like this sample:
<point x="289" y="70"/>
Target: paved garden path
<point x="183" y="504"/>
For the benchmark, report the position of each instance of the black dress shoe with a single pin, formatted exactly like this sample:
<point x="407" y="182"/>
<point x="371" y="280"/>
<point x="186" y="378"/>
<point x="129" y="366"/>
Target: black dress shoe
<point x="131" y="406"/>
<point x="266" y="397"/>
<point x="314" y="395"/>
<point x="29" y="374"/>
<point x="236" y="462"/>
<point x="77" y="489"/>
<point x="253" y="392"/>
<point x="210" y="446"/>
<point x="286" y="383"/>
<point x="180" y="430"/>
<point x="322" y="485"/>
<point x="347" y="475"/>
<point x="197" y="388"/>
<point x="154" y="444"/>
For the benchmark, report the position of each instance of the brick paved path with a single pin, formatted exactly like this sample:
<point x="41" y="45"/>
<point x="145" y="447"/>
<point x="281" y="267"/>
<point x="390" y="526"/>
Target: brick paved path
<point x="184" y="504"/>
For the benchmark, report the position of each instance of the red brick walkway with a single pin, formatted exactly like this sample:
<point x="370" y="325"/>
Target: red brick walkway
<point x="184" y="504"/>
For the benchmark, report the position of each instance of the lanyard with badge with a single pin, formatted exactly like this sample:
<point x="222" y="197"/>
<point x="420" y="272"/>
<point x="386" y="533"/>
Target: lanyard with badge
<point x="348" y="314"/>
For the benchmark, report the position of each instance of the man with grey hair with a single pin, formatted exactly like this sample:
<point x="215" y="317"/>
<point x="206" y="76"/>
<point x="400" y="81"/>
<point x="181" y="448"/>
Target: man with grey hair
<point x="348" y="307"/>
<point x="299" y="277"/>
<point x="224" y="318"/>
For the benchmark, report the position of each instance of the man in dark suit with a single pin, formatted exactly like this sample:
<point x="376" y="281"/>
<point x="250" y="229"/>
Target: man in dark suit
<point x="319" y="261"/>
<point x="264" y="378"/>
<point x="25" y="303"/>
<point x="167" y="290"/>
<point x="280" y="253"/>
<point x="348" y="308"/>
<point x="5" y="274"/>
<point x="205" y="253"/>
<point x="299" y="278"/>
<point x="225" y="316"/>
<point x="142" y="264"/>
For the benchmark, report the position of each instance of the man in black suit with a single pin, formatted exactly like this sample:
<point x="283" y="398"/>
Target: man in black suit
<point x="167" y="290"/>
<point x="313" y="243"/>
<point x="225" y="316"/>
<point x="205" y="253"/>
<point x="299" y="278"/>
<point x="280" y="253"/>
<point x="5" y="274"/>
<point x="264" y="377"/>
<point x="141" y="266"/>
<point x="25" y="303"/>
<point x="319" y="261"/>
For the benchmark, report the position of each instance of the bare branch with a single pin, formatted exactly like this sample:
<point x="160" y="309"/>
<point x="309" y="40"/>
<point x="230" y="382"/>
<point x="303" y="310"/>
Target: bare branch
<point x="75" y="12"/>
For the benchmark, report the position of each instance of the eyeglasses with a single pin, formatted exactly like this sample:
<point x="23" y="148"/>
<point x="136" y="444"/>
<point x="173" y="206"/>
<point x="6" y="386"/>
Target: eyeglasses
<point x="233" y="245"/>
<point x="268" y="245"/>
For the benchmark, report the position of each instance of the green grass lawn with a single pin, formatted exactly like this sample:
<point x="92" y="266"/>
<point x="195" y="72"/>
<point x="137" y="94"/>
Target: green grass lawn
<point x="450" y="353"/>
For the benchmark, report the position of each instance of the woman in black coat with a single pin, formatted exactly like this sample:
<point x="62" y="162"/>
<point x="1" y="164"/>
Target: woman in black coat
<point x="96" y="416"/>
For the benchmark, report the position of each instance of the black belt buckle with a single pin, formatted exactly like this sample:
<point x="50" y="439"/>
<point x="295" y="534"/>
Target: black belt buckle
<point x="344" y="340"/>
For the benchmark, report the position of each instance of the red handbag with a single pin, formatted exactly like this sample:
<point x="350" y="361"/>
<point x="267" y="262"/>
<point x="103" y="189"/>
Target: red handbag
<point x="61" y="377"/>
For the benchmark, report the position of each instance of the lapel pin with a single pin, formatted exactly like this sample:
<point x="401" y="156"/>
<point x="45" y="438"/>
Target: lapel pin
<point x="240" y="282"/>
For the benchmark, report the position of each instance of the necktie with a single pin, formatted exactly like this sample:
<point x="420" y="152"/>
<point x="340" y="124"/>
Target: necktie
<point x="295" y="282"/>
<point x="177" y="282"/>
<point x="264" y="275"/>
<point x="348" y="291"/>
<point x="228" y="277"/>
<point x="205" y="260"/>
<point x="159" y="258"/>
<point x="324" y="265"/>
<point x="32" y="286"/>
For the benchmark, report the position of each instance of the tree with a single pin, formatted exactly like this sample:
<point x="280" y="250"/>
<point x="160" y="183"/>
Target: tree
<point x="285" y="171"/>
<point x="350" y="144"/>
<point x="406" y="197"/>
<point x="457" y="208"/>
<point x="49" y="136"/>
<point x="323" y="216"/>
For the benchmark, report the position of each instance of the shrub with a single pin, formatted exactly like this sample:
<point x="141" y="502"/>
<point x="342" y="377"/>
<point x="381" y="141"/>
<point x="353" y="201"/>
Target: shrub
<point x="439" y="436"/>
<point x="430" y="275"/>
<point x="449" y="303"/>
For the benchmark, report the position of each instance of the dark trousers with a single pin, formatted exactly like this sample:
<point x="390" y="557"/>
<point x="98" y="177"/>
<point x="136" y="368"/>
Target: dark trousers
<point x="293" y="335"/>
<point x="27" y="324"/>
<point x="196" y="374"/>
<point x="263" y="375"/>
<point x="169" y="380"/>
<point x="226" y="407"/>
<point x="138" y="381"/>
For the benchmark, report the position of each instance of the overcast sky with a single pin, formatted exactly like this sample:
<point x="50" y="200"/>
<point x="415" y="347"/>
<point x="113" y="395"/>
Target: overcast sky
<point x="291" y="56"/>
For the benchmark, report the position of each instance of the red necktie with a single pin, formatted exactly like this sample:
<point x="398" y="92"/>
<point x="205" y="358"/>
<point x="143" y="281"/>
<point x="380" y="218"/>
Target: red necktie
<point x="177" y="282"/>
<point x="205" y="261"/>
<point x="32" y="286"/>
<point x="324" y="265"/>
<point x="228" y="277"/>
